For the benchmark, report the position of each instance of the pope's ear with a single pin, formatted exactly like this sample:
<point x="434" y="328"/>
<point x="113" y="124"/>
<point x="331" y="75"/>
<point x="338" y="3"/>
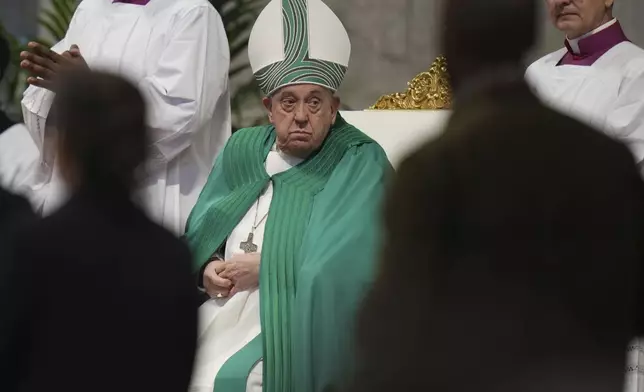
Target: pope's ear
<point x="268" y="104"/>
<point x="335" y="107"/>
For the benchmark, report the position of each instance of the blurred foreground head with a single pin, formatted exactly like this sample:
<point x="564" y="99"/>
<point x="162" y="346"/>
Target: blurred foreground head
<point x="102" y="133"/>
<point x="484" y="34"/>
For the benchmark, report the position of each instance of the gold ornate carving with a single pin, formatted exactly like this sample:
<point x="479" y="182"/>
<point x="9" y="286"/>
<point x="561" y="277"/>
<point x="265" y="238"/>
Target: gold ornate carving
<point x="429" y="90"/>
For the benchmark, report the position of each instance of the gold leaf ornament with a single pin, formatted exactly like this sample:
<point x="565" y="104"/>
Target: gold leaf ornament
<point x="430" y="90"/>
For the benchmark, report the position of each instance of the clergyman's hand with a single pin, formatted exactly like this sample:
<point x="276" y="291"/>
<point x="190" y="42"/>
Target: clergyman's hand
<point x="243" y="271"/>
<point x="216" y="286"/>
<point x="45" y="66"/>
<point x="75" y="58"/>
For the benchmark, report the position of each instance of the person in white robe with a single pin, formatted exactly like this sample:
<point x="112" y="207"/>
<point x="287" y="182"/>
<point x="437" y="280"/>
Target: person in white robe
<point x="18" y="159"/>
<point x="176" y="51"/>
<point x="18" y="153"/>
<point x="598" y="77"/>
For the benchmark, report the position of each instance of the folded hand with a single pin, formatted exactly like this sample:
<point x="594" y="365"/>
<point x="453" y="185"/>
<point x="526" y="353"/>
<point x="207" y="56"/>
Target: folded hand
<point x="243" y="271"/>
<point x="215" y="285"/>
<point x="45" y="66"/>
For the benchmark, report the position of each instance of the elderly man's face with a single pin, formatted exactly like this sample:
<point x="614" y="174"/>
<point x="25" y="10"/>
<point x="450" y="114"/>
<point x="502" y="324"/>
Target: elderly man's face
<point x="302" y="115"/>
<point x="578" y="17"/>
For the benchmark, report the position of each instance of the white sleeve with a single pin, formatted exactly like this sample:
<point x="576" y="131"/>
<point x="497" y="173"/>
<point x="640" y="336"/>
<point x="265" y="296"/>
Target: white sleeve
<point x="626" y="119"/>
<point x="191" y="76"/>
<point x="36" y="102"/>
<point x="18" y="157"/>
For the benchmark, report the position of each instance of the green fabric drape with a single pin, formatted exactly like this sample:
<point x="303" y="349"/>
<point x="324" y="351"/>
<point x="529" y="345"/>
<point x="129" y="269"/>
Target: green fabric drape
<point x="318" y="251"/>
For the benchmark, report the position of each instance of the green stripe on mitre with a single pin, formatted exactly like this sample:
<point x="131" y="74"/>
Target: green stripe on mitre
<point x="295" y="25"/>
<point x="298" y="67"/>
<point x="323" y="73"/>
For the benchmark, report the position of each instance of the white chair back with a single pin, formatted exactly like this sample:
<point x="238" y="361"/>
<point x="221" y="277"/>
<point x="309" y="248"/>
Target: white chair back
<point x="399" y="132"/>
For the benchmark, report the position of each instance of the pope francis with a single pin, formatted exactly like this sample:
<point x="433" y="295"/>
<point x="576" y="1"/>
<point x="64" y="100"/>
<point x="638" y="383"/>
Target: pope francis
<point x="284" y="234"/>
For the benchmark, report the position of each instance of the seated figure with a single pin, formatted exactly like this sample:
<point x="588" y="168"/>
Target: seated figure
<point x="284" y="234"/>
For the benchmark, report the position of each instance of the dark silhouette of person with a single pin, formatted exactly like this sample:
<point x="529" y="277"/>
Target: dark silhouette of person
<point x="109" y="299"/>
<point x="513" y="243"/>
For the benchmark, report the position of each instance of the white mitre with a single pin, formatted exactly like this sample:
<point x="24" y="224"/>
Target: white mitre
<point x="298" y="42"/>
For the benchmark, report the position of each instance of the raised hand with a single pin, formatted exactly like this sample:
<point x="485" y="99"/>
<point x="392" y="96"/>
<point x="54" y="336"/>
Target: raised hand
<point x="45" y="66"/>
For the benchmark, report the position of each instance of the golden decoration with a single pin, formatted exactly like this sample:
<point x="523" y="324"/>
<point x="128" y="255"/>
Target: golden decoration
<point x="429" y="90"/>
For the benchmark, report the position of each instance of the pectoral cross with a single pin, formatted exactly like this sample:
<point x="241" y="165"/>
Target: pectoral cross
<point x="248" y="246"/>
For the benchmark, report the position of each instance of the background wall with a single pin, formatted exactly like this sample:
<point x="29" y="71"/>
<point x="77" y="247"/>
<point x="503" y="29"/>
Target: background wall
<point x="392" y="40"/>
<point x="19" y="16"/>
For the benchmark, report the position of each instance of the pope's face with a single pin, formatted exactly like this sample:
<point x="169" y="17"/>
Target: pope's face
<point x="578" y="17"/>
<point x="302" y="115"/>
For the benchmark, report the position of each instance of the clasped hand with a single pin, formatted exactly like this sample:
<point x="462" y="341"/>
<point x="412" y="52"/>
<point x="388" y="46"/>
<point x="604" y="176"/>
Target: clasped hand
<point x="45" y="66"/>
<point x="227" y="278"/>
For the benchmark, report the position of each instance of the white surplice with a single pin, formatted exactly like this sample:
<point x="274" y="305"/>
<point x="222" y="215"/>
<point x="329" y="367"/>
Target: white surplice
<point x="227" y="325"/>
<point x="608" y="95"/>
<point x="18" y="159"/>
<point x="176" y="52"/>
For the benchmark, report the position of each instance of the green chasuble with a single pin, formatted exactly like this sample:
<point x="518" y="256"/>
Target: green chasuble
<point x="319" y="252"/>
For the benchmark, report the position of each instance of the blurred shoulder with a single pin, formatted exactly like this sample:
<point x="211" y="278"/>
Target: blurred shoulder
<point x="550" y="60"/>
<point x="630" y="59"/>
<point x="425" y="158"/>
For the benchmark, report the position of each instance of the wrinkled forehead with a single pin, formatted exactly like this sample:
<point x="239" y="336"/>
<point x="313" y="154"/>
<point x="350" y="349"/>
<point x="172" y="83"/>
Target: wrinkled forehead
<point x="302" y="91"/>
